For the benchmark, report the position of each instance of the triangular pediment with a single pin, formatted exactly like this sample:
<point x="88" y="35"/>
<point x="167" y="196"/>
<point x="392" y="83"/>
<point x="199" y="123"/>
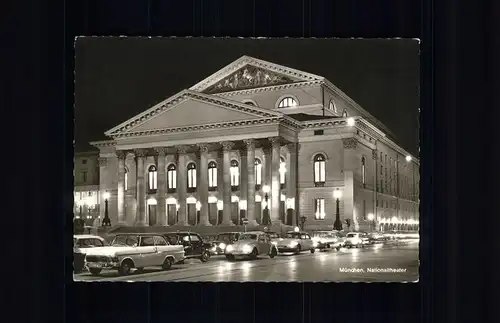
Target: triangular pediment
<point x="247" y="73"/>
<point x="188" y="109"/>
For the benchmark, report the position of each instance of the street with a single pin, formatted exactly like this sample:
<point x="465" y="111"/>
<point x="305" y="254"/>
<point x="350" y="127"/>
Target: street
<point x="393" y="262"/>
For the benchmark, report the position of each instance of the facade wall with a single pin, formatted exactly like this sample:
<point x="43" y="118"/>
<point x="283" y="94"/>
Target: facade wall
<point x="340" y="104"/>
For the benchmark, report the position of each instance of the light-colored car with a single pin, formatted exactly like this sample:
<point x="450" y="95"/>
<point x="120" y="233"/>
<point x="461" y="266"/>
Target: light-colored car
<point x="356" y="239"/>
<point x="82" y="242"/>
<point x="251" y="245"/>
<point x="275" y="237"/>
<point x="296" y="242"/>
<point x="128" y="251"/>
<point x="328" y="239"/>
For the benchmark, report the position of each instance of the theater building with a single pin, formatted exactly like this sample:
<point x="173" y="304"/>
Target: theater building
<point x="253" y="141"/>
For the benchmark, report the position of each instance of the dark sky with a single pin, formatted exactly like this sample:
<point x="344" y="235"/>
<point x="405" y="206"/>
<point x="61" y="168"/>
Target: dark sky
<point x="117" y="78"/>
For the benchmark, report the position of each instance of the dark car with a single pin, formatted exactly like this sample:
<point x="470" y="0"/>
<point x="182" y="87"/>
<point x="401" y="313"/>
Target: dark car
<point x="222" y="240"/>
<point x="194" y="246"/>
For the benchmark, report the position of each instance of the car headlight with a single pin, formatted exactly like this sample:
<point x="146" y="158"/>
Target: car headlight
<point x="274" y="243"/>
<point x="229" y="248"/>
<point x="247" y="249"/>
<point x="213" y="249"/>
<point x="222" y="246"/>
<point x="315" y="243"/>
<point x="293" y="244"/>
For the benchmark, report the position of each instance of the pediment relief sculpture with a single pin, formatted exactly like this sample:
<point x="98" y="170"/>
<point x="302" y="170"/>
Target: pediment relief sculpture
<point x="246" y="78"/>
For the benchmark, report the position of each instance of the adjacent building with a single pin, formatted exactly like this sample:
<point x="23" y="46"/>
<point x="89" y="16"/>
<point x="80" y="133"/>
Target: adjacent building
<point x="253" y="141"/>
<point x="86" y="179"/>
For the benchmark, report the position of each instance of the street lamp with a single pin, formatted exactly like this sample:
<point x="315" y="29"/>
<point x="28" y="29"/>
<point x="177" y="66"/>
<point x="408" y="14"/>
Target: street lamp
<point x="296" y="229"/>
<point x="337" y="225"/>
<point x="106" y="221"/>
<point x="371" y="218"/>
<point x="408" y="158"/>
<point x="266" y="190"/>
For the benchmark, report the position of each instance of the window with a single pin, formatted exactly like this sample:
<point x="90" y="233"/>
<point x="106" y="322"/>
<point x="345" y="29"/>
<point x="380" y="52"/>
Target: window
<point x="212" y="174"/>
<point x="191" y="169"/>
<point x="381" y="169"/>
<point x="147" y="242"/>
<point x="126" y="179"/>
<point x="332" y="106"/>
<point x="381" y="186"/>
<point x="319" y="209"/>
<point x="287" y="103"/>
<point x="194" y="238"/>
<point x="344" y="114"/>
<point x="380" y="157"/>
<point x="363" y="170"/>
<point x="84" y="176"/>
<point x="258" y="172"/>
<point x="159" y="241"/>
<point x="84" y="161"/>
<point x="282" y="170"/>
<point x="152" y="177"/>
<point x="234" y="170"/>
<point x="171" y="177"/>
<point x="319" y="132"/>
<point x="319" y="169"/>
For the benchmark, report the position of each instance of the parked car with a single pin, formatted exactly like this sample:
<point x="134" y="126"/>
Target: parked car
<point x="251" y="245"/>
<point x="222" y="240"/>
<point x="328" y="239"/>
<point x="194" y="246"/>
<point x="275" y="237"/>
<point x="356" y="239"/>
<point x="81" y="242"/>
<point x="128" y="251"/>
<point x="296" y="242"/>
<point x="376" y="237"/>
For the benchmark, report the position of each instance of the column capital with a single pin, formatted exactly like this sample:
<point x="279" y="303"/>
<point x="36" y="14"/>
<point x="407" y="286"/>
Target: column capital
<point x="292" y="147"/>
<point x="275" y="141"/>
<point x="140" y="152"/>
<point x="103" y="161"/>
<point x="227" y="145"/>
<point x="350" y="143"/>
<point x="243" y="153"/>
<point x="266" y="150"/>
<point x="182" y="149"/>
<point x="121" y="154"/>
<point x="160" y="151"/>
<point x="250" y="143"/>
<point x="203" y="147"/>
<point x="374" y="154"/>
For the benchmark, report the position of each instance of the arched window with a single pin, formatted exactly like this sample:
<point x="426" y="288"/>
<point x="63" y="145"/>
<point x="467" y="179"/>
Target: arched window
<point x="191" y="168"/>
<point x="344" y="114"/>
<point x="235" y="173"/>
<point x="282" y="170"/>
<point x="212" y="174"/>
<point x="332" y="106"/>
<point x="319" y="170"/>
<point x="363" y="170"/>
<point x="152" y="177"/>
<point x="287" y="102"/>
<point x="126" y="179"/>
<point x="171" y="177"/>
<point x="258" y="171"/>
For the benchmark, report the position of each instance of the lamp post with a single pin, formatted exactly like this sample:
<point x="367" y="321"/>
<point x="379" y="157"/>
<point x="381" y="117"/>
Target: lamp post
<point x="371" y="218"/>
<point x="337" y="225"/>
<point x="266" y="190"/>
<point x="106" y="221"/>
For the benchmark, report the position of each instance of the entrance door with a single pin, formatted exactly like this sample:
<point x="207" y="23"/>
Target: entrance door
<point x="212" y="213"/>
<point x="191" y="208"/>
<point x="235" y="213"/>
<point x="282" y="212"/>
<point x="171" y="214"/>
<point x="258" y="212"/>
<point x="152" y="215"/>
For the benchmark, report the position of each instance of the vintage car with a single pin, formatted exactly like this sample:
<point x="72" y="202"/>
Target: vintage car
<point x="275" y="237"/>
<point x="222" y="240"/>
<point x="128" y="251"/>
<point x="356" y="239"/>
<point x="194" y="246"/>
<point x="328" y="239"/>
<point x="296" y="242"/>
<point x="251" y="245"/>
<point x="81" y="242"/>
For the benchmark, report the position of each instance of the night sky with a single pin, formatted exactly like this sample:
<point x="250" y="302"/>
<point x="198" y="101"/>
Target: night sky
<point x="117" y="78"/>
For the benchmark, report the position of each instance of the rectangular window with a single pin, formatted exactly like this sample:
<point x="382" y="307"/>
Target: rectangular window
<point x="319" y="171"/>
<point x="319" y="210"/>
<point x="152" y="180"/>
<point x="126" y="182"/>
<point x="192" y="178"/>
<point x="319" y="132"/>
<point x="84" y="177"/>
<point x="258" y="174"/>
<point x="172" y="179"/>
<point x="380" y="156"/>
<point x="282" y="171"/>
<point x="84" y="161"/>
<point x="381" y="169"/>
<point x="235" y="176"/>
<point x="212" y="177"/>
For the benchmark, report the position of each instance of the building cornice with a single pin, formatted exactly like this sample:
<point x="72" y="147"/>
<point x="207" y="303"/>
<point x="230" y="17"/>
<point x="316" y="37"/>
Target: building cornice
<point x="103" y="143"/>
<point x="269" y="88"/>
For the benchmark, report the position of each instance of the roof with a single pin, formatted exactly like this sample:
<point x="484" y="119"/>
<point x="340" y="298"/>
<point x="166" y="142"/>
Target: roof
<point x="87" y="236"/>
<point x="310" y="117"/>
<point x="255" y="232"/>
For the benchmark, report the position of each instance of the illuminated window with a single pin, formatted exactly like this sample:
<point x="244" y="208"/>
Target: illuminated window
<point x="235" y="173"/>
<point x="319" y="209"/>
<point x="126" y="179"/>
<point x="363" y="170"/>
<point x="212" y="174"/>
<point x="332" y="106"/>
<point x="152" y="177"/>
<point x="258" y="172"/>
<point x="191" y="169"/>
<point x="171" y="177"/>
<point x="319" y="169"/>
<point x="287" y="103"/>
<point x="282" y="170"/>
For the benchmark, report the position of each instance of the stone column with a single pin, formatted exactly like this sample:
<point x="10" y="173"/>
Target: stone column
<point x="226" y="177"/>
<point x="243" y="184"/>
<point x="141" y="188"/>
<point x="182" y="184"/>
<point x="275" y="179"/>
<point x="350" y="164"/>
<point x="162" y="186"/>
<point x="103" y="164"/>
<point x="120" y="154"/>
<point x="291" y="177"/>
<point x="250" y="191"/>
<point x="203" y="185"/>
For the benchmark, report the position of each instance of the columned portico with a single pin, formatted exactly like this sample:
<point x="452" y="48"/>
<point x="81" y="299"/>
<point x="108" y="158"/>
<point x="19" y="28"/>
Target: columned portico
<point x="141" y="187"/>
<point x="226" y="178"/>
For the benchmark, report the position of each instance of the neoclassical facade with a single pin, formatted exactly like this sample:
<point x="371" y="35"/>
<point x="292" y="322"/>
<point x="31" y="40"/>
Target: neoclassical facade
<point x="257" y="141"/>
